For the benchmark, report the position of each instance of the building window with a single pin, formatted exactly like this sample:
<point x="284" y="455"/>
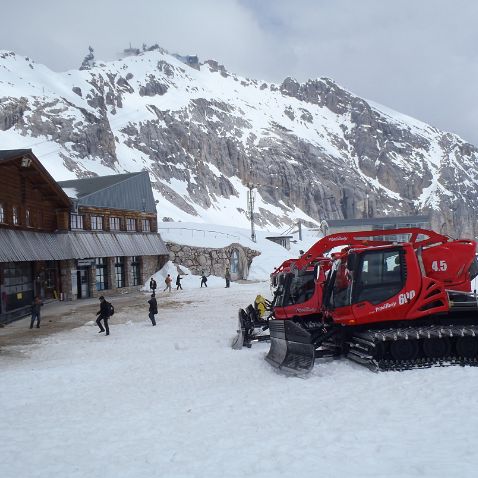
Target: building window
<point x="146" y="225"/>
<point x="119" y="272"/>
<point x="2" y="213"/>
<point x="17" y="285"/>
<point x="130" y="224"/>
<point x="76" y="221"/>
<point x="114" y="223"/>
<point x="15" y="215"/>
<point x="235" y="261"/>
<point x="101" y="275"/>
<point x="50" y="274"/>
<point x="96" y="223"/>
<point x="135" y="268"/>
<point x="27" y="218"/>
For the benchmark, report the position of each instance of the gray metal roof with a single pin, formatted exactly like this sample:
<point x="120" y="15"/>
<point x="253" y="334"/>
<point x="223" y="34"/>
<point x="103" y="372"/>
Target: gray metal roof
<point x="379" y="221"/>
<point x="87" y="186"/>
<point x="18" y="246"/>
<point x="106" y="244"/>
<point x="131" y="191"/>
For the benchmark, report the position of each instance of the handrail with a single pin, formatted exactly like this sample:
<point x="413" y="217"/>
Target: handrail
<point x="235" y="236"/>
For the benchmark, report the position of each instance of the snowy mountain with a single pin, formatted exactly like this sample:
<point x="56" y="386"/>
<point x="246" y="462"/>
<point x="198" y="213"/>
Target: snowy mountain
<point x="314" y="150"/>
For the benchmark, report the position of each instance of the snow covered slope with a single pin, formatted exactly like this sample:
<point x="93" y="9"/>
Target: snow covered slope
<point x="176" y="401"/>
<point x="314" y="150"/>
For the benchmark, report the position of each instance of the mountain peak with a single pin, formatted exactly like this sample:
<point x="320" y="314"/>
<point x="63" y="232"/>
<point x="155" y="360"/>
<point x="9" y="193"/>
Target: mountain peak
<point x="313" y="150"/>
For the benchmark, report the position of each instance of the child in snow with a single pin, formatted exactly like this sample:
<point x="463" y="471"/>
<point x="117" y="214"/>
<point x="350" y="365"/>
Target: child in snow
<point x="168" y="281"/>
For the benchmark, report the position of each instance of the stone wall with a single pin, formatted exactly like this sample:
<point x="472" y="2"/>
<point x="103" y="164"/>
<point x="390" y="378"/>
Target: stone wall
<point x="211" y="260"/>
<point x="150" y="265"/>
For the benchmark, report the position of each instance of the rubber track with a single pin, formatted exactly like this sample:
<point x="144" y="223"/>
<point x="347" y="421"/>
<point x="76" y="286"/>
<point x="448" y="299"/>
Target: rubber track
<point x="363" y="344"/>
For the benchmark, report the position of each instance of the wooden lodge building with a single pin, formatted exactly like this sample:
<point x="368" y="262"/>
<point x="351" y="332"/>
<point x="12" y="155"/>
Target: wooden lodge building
<point x="72" y="239"/>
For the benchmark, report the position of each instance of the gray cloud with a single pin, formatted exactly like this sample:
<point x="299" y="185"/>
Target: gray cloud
<point x="418" y="57"/>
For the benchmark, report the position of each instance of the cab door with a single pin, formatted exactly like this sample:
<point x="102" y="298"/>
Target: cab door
<point x="383" y="288"/>
<point x="339" y="293"/>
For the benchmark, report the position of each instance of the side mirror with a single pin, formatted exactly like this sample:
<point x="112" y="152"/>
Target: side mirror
<point x="351" y="261"/>
<point x="317" y="271"/>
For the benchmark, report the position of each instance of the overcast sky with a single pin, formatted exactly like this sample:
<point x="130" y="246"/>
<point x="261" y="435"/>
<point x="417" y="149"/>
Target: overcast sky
<point x="419" y="57"/>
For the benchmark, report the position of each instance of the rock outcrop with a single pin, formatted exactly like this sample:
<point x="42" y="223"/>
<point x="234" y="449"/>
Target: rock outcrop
<point x="312" y="150"/>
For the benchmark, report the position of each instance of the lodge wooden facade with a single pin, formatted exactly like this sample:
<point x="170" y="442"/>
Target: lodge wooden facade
<point x="29" y="198"/>
<point x="61" y="247"/>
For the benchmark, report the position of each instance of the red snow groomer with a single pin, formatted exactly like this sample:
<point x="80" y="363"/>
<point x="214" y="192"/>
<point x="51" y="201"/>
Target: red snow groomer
<point x="388" y="299"/>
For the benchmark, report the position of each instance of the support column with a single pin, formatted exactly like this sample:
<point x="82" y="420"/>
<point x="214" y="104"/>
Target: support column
<point x="111" y="273"/>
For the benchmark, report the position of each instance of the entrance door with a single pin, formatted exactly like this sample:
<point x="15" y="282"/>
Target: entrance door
<point x="83" y="284"/>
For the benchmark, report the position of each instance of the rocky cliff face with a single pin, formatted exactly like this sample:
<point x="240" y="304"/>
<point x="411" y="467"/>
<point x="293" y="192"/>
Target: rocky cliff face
<point x="314" y="151"/>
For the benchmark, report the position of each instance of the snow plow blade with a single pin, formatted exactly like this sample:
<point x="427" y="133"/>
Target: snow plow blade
<point x="248" y="329"/>
<point x="291" y="348"/>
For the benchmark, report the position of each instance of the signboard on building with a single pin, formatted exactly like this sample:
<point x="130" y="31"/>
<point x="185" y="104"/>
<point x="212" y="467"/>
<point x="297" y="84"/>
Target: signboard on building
<point x="85" y="262"/>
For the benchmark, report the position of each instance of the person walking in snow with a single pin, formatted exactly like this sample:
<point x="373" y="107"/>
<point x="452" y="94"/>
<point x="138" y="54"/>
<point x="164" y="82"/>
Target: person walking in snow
<point x="104" y="314"/>
<point x="36" y="306"/>
<point x="178" y="282"/>
<point x="153" y="308"/>
<point x="227" y="276"/>
<point x="203" y="279"/>
<point x="168" y="281"/>
<point x="153" y="285"/>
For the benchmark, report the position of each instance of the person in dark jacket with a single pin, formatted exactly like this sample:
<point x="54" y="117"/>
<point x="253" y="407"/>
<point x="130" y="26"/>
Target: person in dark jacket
<point x="178" y="282"/>
<point x="203" y="279"/>
<point x="104" y="315"/>
<point x="153" y="308"/>
<point x="36" y="306"/>
<point x="153" y="285"/>
<point x="227" y="276"/>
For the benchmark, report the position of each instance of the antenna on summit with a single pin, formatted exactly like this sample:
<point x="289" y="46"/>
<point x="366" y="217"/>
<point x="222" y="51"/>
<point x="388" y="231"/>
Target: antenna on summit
<point x="251" y="197"/>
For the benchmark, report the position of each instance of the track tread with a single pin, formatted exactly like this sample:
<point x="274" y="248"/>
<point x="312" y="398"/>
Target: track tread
<point x="371" y="338"/>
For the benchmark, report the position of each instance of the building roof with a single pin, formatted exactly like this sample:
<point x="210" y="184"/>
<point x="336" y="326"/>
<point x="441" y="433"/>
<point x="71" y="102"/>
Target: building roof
<point x="36" y="171"/>
<point x="19" y="246"/>
<point x="130" y="191"/>
<point x="13" y="153"/>
<point x="87" y="186"/>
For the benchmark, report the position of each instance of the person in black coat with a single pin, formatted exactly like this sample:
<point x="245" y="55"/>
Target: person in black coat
<point x="178" y="282"/>
<point x="104" y="315"/>
<point x="153" y="285"/>
<point x="227" y="276"/>
<point x="36" y="306"/>
<point x="153" y="308"/>
<point x="203" y="279"/>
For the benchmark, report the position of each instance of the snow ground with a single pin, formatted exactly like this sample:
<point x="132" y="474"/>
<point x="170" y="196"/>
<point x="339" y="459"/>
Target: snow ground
<point x="176" y="401"/>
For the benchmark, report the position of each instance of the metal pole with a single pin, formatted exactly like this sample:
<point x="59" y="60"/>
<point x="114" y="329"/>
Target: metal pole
<point x="251" y="211"/>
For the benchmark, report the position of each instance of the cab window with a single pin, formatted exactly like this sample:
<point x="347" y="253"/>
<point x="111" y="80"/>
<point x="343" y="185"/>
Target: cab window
<point x="301" y="288"/>
<point x="341" y="289"/>
<point x="380" y="276"/>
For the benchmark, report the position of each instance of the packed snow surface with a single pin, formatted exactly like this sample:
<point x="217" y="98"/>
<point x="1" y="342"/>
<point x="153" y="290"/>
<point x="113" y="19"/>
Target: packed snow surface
<point x="176" y="401"/>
